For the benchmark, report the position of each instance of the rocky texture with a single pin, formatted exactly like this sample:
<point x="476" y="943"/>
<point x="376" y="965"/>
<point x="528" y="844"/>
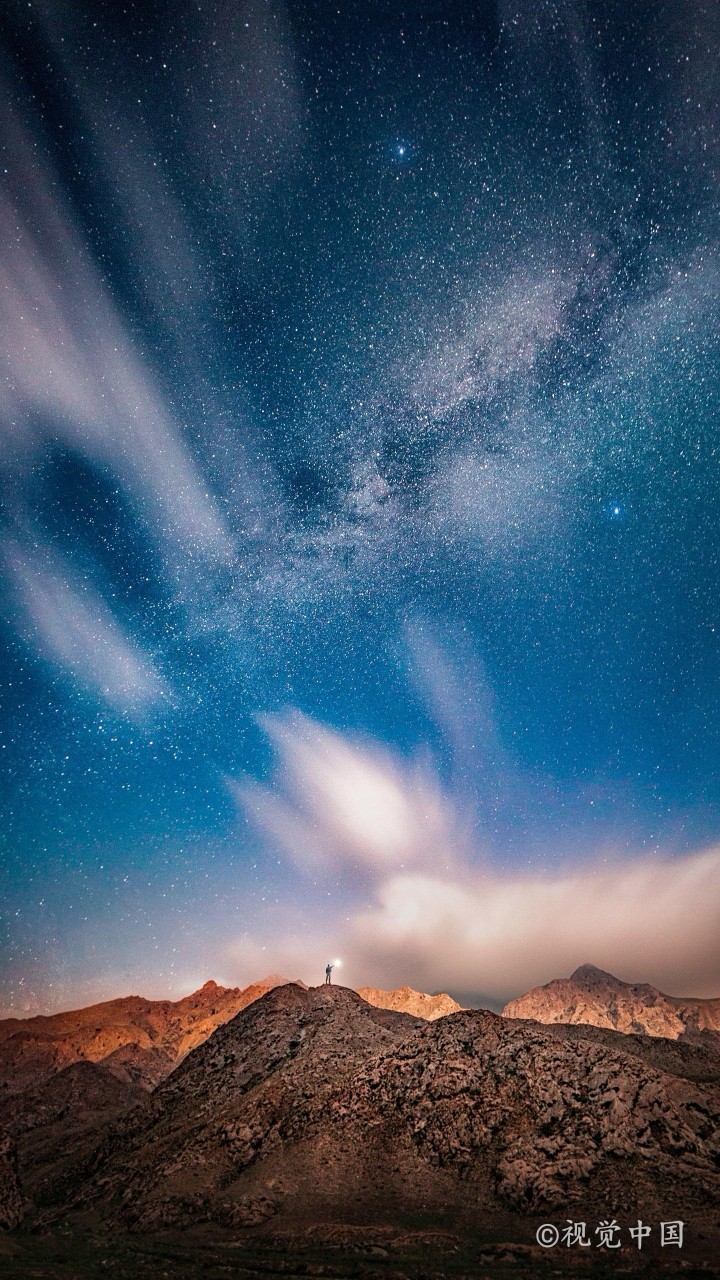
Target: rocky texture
<point x="405" y="1000"/>
<point x="315" y="1107"/>
<point x="238" y="1097"/>
<point x="11" y="1198"/>
<point x="594" y="997"/>
<point x="65" y="1116"/>
<point x="547" y="1118"/>
<point x="691" y="1060"/>
<point x="84" y="1089"/>
<point x="140" y="1041"/>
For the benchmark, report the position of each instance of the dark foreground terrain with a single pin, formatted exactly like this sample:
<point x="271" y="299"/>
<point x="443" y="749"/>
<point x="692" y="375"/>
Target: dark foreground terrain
<point x="315" y="1134"/>
<point x="335" y="1254"/>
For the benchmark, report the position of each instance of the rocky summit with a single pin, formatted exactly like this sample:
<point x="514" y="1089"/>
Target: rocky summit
<point x="596" y="998"/>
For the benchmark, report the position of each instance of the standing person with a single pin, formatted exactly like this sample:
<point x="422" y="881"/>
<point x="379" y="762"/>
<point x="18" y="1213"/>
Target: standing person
<point x="328" y="971"/>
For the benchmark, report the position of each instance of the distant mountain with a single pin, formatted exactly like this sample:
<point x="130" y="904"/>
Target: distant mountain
<point x="139" y="1041"/>
<point x="596" y="998"/>
<point x="314" y="1107"/>
<point x="406" y="1000"/>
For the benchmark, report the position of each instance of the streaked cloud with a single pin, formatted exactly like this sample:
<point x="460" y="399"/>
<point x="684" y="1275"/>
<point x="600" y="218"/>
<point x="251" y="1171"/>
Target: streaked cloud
<point x="73" y="374"/>
<point x="349" y="804"/>
<point x="69" y="624"/>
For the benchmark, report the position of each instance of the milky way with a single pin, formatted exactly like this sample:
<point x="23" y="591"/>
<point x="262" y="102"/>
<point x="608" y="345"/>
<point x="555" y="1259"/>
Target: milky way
<point x="360" y="494"/>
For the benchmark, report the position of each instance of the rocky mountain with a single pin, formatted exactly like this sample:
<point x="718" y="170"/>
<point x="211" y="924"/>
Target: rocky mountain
<point x="66" y="1112"/>
<point x="313" y="1112"/>
<point x="139" y="1041"/>
<point x="86" y="1088"/>
<point x="314" y="1124"/>
<point x="405" y="1000"/>
<point x="596" y="998"/>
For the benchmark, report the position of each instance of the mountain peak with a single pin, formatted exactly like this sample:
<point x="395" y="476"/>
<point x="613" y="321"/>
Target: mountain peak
<point x="593" y="997"/>
<point x="591" y="973"/>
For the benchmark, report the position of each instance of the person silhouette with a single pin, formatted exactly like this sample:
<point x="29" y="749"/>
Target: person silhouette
<point x="328" y="971"/>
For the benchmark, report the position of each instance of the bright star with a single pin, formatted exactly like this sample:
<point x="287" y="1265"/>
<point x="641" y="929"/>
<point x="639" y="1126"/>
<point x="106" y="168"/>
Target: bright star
<point x="614" y="511"/>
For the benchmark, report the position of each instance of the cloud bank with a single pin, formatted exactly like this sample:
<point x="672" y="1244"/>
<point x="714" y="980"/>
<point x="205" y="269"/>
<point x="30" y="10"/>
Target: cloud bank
<point x="438" y="915"/>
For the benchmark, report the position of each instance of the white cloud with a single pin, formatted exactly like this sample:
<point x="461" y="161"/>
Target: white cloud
<point x="347" y="804"/>
<point x="71" y="626"/>
<point x="437" y="915"/>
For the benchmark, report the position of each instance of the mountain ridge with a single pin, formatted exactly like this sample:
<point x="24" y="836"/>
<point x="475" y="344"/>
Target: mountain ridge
<point x="594" y="997"/>
<point x="310" y="1105"/>
<point x="139" y="1040"/>
<point x="407" y="1000"/>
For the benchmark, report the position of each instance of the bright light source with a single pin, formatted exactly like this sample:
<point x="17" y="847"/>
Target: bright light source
<point x="337" y="964"/>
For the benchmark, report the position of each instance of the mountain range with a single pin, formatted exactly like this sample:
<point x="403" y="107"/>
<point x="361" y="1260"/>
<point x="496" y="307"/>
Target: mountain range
<point x="314" y="1125"/>
<point x="139" y="1041"/>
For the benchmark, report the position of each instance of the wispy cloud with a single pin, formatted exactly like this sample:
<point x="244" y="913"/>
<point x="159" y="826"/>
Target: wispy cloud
<point x="71" y="627"/>
<point x="348" y="804"/>
<point x="72" y="372"/>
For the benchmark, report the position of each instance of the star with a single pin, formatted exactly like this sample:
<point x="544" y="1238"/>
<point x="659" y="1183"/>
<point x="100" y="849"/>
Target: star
<point x="401" y="151"/>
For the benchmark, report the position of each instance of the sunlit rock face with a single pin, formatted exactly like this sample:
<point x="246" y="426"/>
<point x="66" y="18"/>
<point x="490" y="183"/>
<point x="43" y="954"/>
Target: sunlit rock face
<point x="139" y="1041"/>
<point x="406" y="1000"/>
<point x="591" y="996"/>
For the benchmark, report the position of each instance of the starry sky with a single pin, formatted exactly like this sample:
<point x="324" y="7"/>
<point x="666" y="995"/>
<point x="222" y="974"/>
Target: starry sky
<point x="360" y="494"/>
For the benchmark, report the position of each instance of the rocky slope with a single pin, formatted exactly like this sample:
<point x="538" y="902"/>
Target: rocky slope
<point x="86" y="1088"/>
<point x="315" y="1107"/>
<point x="594" y="997"/>
<point x="69" y="1112"/>
<point x="12" y="1204"/>
<point x="405" y="1000"/>
<point x="140" y="1041"/>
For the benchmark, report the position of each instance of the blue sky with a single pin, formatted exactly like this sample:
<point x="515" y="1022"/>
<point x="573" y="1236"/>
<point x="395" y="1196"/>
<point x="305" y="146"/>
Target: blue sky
<point x="360" y="578"/>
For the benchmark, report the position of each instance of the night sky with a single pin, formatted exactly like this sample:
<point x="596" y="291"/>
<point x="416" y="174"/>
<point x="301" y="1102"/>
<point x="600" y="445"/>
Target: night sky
<point x="359" y="547"/>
